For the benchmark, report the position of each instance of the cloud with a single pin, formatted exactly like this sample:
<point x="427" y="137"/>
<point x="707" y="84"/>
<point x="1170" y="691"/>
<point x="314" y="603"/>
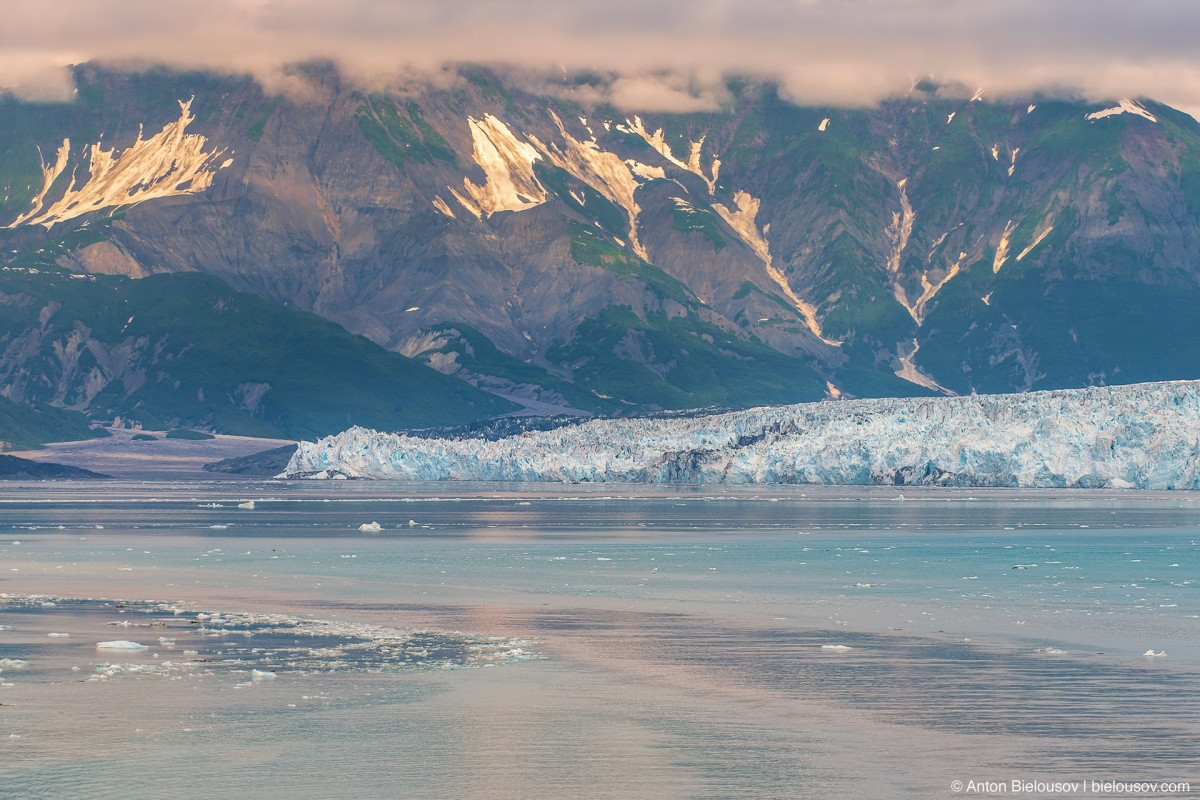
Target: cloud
<point x="671" y="92"/>
<point x="823" y="51"/>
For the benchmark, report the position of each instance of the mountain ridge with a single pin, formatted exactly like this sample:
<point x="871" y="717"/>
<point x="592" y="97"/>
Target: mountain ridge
<point x="621" y="262"/>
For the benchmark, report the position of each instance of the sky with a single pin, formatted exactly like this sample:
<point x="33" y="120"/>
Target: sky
<point x="664" y="54"/>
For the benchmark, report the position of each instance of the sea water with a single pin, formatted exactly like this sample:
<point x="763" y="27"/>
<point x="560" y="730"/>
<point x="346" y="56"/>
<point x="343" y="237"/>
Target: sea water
<point x="542" y="641"/>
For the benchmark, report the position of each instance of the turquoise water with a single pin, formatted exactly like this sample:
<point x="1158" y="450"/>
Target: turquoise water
<point x="592" y="642"/>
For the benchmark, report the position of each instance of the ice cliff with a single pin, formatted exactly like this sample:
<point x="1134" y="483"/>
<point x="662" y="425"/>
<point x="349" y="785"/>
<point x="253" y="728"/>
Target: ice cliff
<point x="1139" y="436"/>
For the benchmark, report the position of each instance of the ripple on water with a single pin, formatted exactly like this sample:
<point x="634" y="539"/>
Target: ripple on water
<point x="172" y="640"/>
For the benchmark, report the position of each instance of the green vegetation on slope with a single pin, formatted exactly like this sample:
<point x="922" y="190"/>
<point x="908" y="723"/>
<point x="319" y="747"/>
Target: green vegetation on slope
<point x="694" y="218"/>
<point x="401" y="135"/>
<point x="23" y="427"/>
<point x="187" y="350"/>
<point x="589" y="247"/>
<point x="479" y="357"/>
<point x="680" y="362"/>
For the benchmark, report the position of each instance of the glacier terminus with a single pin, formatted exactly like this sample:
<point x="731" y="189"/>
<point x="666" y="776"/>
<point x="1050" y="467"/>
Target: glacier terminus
<point x="1144" y="436"/>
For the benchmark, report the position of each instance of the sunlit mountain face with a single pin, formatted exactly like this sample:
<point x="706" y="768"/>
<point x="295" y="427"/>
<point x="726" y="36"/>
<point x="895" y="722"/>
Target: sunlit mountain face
<point x="560" y="255"/>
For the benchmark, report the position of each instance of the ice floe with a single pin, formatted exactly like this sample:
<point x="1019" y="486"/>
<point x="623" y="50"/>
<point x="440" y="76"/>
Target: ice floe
<point x="120" y="644"/>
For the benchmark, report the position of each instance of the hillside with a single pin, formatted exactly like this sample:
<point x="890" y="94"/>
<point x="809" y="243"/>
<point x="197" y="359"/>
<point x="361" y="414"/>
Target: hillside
<point x="506" y="232"/>
<point x="185" y="349"/>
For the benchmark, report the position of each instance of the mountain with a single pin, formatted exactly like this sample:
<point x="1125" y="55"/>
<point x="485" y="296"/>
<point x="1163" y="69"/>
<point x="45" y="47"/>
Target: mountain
<point x="1140" y="436"/>
<point x="505" y="229"/>
<point x="186" y="347"/>
<point x="17" y="469"/>
<point x="30" y="425"/>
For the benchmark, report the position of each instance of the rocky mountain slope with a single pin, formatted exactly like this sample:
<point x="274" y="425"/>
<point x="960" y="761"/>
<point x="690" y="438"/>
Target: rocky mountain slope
<point x="187" y="347"/>
<point x="502" y="229"/>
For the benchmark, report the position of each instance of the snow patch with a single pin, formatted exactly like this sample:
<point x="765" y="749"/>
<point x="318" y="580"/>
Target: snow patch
<point x="1123" y="107"/>
<point x="508" y="164"/>
<point x="930" y="289"/>
<point x="910" y="372"/>
<point x="742" y="221"/>
<point x="1002" y="248"/>
<point x="658" y="141"/>
<point x="824" y="124"/>
<point x="645" y="171"/>
<point x="898" y="234"/>
<point x="603" y="171"/>
<point x="169" y="164"/>
<point x="1036" y="241"/>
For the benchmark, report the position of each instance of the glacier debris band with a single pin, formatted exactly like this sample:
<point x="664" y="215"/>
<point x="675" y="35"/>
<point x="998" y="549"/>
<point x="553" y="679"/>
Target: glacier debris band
<point x="1144" y="436"/>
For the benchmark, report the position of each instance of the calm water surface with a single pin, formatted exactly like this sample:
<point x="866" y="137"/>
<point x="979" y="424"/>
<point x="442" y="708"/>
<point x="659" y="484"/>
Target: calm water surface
<point x="607" y="642"/>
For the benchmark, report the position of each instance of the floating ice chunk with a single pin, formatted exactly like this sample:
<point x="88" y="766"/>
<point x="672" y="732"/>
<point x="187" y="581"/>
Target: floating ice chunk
<point x="835" y="647"/>
<point x="12" y="663"/>
<point x="58" y="635"/>
<point x="1050" y="651"/>
<point x="412" y="523"/>
<point x="248" y="505"/>
<point x="120" y="644"/>
<point x="1151" y="654"/>
<point x="261" y="675"/>
<point x="370" y="527"/>
<point x="1023" y="566"/>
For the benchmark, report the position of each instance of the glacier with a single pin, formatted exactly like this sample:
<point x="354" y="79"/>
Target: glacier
<point x="1144" y="436"/>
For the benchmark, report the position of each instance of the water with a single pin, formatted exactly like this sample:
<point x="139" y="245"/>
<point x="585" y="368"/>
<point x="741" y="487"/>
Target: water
<point x="592" y="641"/>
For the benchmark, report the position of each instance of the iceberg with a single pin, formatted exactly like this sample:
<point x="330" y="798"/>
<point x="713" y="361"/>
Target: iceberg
<point x="1144" y="436"/>
<point x="120" y="644"/>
